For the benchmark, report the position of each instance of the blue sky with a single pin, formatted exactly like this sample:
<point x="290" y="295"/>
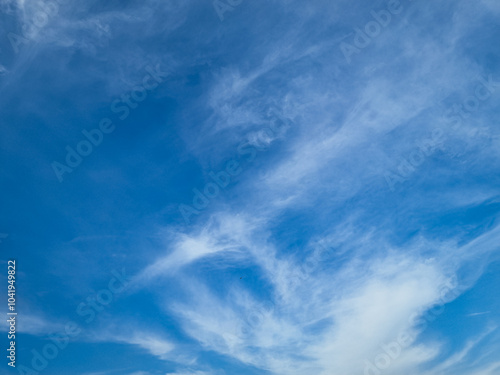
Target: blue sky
<point x="251" y="187"/>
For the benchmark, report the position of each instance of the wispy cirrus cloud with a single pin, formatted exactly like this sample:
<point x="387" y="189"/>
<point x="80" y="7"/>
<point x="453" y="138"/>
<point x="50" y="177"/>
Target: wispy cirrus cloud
<point x="307" y="263"/>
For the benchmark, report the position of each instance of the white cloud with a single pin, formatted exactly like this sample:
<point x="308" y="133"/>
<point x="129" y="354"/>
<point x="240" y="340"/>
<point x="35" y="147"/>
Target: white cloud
<point x="35" y="325"/>
<point x="155" y="343"/>
<point x="455" y="361"/>
<point x="335" y="319"/>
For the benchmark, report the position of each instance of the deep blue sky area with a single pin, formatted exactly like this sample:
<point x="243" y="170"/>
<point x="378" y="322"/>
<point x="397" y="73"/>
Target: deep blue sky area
<point x="274" y="187"/>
